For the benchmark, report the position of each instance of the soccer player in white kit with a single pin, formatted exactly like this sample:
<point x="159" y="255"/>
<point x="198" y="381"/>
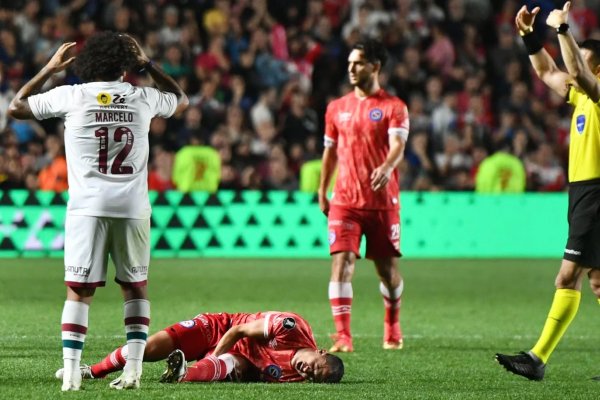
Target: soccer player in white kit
<point x="108" y="213"/>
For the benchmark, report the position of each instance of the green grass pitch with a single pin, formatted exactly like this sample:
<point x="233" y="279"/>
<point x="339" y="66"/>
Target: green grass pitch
<point x="456" y="314"/>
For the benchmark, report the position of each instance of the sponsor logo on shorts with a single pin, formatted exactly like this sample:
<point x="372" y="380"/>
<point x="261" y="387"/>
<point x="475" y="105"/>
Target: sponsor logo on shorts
<point x="580" y="124"/>
<point x="142" y="269"/>
<point x="289" y="323"/>
<point x="332" y="237"/>
<point x="375" y="115"/>
<point x="574" y="252"/>
<point x="274" y="371"/>
<point x="78" y="271"/>
<point x="190" y="323"/>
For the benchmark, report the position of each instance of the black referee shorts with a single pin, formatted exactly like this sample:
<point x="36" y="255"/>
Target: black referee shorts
<point x="583" y="245"/>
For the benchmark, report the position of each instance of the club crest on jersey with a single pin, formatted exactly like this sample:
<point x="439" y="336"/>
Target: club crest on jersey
<point x="188" y="324"/>
<point x="289" y="323"/>
<point x="104" y="98"/>
<point x="331" y="237"/>
<point x="375" y="115"/>
<point x="274" y="371"/>
<point x="580" y="123"/>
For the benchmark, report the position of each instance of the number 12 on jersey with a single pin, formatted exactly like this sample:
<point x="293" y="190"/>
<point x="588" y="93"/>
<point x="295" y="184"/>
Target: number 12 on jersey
<point x="117" y="167"/>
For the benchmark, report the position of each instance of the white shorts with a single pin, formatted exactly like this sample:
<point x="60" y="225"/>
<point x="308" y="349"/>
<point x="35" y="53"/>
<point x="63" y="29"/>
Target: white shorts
<point x="89" y="241"/>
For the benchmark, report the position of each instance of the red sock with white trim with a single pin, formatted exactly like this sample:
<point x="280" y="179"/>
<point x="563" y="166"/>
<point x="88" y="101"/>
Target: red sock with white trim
<point x="391" y="322"/>
<point x="208" y="369"/>
<point x="340" y="299"/>
<point x="113" y="362"/>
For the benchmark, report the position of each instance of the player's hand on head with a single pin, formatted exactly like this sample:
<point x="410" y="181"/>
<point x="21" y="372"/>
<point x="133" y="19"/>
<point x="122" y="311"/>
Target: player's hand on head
<point x="59" y="60"/>
<point x="141" y="56"/>
<point x="380" y="177"/>
<point x="524" y="19"/>
<point x="559" y="16"/>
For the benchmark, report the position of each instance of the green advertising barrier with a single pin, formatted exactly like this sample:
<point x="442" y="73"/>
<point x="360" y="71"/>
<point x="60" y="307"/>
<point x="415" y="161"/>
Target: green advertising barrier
<point x="289" y="224"/>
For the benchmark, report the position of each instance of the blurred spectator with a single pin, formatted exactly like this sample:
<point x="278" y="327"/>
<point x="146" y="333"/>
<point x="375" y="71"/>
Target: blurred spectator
<point x="161" y="171"/>
<point x="260" y="73"/>
<point x="54" y="175"/>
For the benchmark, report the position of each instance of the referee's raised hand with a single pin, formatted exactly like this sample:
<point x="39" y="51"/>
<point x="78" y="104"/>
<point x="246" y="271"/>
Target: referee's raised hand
<point x="524" y="19"/>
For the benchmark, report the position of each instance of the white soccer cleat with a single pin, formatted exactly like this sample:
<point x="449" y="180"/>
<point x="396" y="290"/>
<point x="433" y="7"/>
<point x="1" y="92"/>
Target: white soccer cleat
<point x="71" y="383"/>
<point x="127" y="380"/>
<point x="86" y="372"/>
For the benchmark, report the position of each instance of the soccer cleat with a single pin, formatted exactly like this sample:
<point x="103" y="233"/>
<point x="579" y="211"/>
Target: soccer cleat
<point x="393" y="345"/>
<point x="86" y="372"/>
<point x="524" y="364"/>
<point x="127" y="380"/>
<point x="71" y="383"/>
<point x="176" y="368"/>
<point x="342" y="344"/>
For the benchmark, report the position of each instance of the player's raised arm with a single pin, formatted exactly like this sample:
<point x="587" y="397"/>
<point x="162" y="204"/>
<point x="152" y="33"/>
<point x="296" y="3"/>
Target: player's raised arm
<point x="572" y="54"/>
<point x="543" y="64"/>
<point x="163" y="81"/>
<point x="254" y="329"/>
<point x="19" y="106"/>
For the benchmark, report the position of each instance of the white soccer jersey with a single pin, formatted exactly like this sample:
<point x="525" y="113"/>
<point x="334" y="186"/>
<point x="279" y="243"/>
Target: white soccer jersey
<point x="106" y="143"/>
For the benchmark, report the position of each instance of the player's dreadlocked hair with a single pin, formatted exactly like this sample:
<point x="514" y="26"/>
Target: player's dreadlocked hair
<point x="105" y="57"/>
<point x="336" y="369"/>
<point x="592" y="45"/>
<point x="373" y="50"/>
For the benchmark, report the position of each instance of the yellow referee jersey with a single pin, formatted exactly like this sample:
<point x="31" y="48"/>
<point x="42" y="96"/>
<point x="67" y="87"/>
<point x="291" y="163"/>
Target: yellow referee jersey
<point x="584" y="148"/>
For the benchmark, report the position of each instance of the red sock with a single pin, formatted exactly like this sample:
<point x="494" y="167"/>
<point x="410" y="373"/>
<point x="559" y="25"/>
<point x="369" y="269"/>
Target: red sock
<point x="341" y="309"/>
<point x="340" y="298"/>
<point x="207" y="370"/>
<point x="391" y="326"/>
<point x="115" y="361"/>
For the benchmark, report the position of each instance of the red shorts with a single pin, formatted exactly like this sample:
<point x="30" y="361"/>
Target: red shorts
<point x="380" y="227"/>
<point x="198" y="336"/>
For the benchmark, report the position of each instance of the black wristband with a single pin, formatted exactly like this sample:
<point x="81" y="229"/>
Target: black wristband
<point x="146" y="66"/>
<point x="532" y="43"/>
<point x="562" y="29"/>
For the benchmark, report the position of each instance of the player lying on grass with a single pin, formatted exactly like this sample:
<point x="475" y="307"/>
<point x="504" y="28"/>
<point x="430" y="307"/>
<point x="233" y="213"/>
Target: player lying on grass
<point x="265" y="346"/>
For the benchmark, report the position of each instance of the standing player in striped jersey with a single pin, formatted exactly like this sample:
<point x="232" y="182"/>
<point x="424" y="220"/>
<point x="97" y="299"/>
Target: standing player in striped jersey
<point x="365" y="136"/>
<point x="108" y="213"/>
<point x="580" y="87"/>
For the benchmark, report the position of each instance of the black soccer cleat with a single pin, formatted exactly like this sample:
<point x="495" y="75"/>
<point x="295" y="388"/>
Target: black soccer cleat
<point x="176" y="368"/>
<point x="523" y="364"/>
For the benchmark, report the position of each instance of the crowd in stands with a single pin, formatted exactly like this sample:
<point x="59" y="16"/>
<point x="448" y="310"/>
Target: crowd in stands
<point x="260" y="73"/>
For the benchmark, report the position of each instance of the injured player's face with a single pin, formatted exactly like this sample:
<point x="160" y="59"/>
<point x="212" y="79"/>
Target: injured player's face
<point x="311" y="364"/>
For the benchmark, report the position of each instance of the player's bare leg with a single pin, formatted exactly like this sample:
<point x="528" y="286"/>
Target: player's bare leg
<point x="340" y="298"/>
<point x="137" y="321"/>
<point x="391" y="288"/>
<point x="74" y="323"/>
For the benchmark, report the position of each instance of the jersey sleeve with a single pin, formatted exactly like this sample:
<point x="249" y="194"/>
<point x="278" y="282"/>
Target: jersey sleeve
<point x="399" y="121"/>
<point x="54" y="103"/>
<point x="162" y="104"/>
<point x="331" y="132"/>
<point x="289" y="330"/>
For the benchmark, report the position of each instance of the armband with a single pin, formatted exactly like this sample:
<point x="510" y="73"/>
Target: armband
<point x="146" y="66"/>
<point x="532" y="43"/>
<point x="562" y="29"/>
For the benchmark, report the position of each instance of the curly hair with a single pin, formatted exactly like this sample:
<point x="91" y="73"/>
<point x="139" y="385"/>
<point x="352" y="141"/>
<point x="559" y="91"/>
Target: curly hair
<point x="105" y="57"/>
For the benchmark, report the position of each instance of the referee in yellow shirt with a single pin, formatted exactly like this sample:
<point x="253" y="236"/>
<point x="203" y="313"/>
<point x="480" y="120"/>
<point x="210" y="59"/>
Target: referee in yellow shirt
<point x="580" y="86"/>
